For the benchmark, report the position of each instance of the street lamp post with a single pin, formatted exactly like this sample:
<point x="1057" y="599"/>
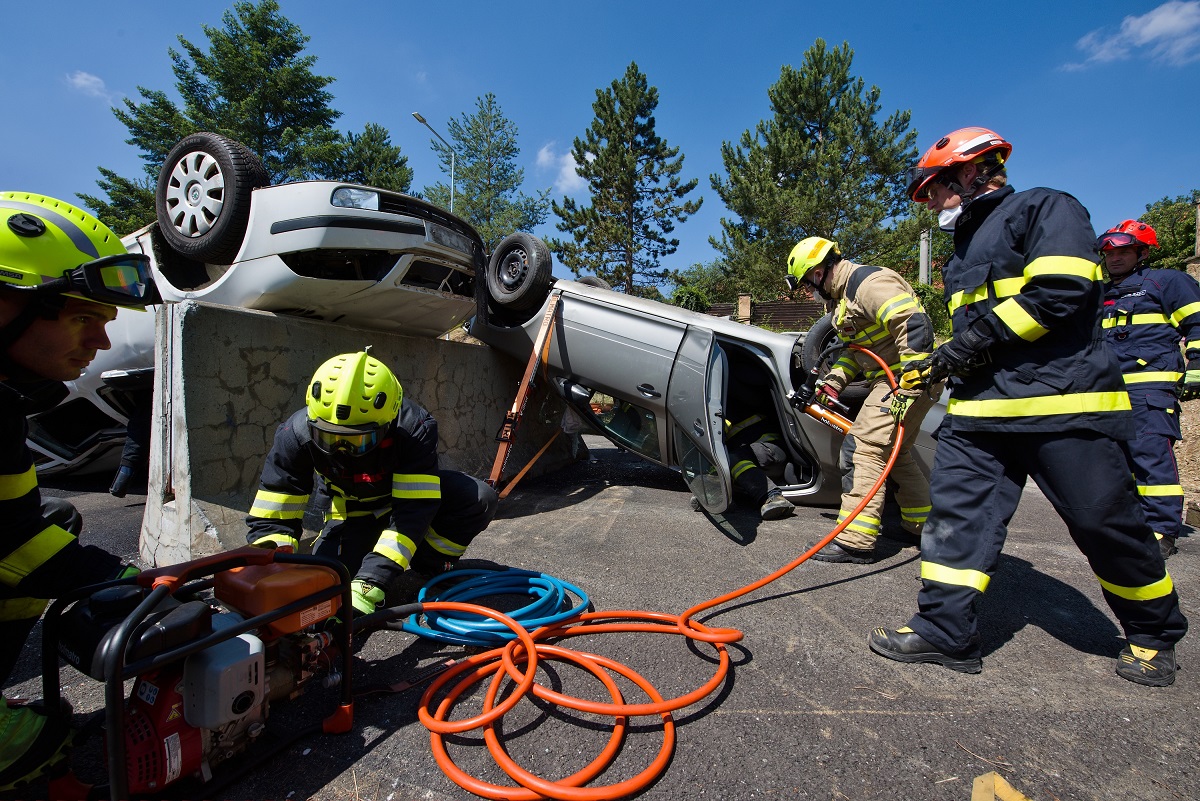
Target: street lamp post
<point x="422" y="120"/>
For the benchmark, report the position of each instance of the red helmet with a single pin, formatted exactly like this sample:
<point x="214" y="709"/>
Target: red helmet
<point x="964" y="146"/>
<point x="1127" y="234"/>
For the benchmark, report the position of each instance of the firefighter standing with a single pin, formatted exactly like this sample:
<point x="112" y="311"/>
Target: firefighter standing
<point x="877" y="310"/>
<point x="1146" y="312"/>
<point x="62" y="276"/>
<point x="1035" y="393"/>
<point x="396" y="518"/>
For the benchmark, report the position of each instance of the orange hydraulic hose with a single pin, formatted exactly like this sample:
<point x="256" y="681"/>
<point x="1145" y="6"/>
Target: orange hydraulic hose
<point x="517" y="660"/>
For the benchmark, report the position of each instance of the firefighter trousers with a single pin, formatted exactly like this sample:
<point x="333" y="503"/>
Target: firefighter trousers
<point x="864" y="454"/>
<point x="756" y="467"/>
<point x="467" y="508"/>
<point x="976" y="485"/>
<point x="1152" y="457"/>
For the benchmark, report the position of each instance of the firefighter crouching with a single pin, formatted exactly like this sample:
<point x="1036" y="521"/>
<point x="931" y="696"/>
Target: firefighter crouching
<point x="876" y="309"/>
<point x="396" y="519"/>
<point x="1146" y="312"/>
<point x="1035" y="393"/>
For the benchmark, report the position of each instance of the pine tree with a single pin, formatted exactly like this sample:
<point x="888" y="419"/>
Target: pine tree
<point x="1174" y="223"/>
<point x="255" y="85"/>
<point x="486" y="176"/>
<point x="824" y="165"/>
<point x="637" y="196"/>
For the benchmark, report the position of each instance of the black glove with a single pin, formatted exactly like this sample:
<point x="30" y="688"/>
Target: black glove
<point x="959" y="356"/>
<point x="1189" y="386"/>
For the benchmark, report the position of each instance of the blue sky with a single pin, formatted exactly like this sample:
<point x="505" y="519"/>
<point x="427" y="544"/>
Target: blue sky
<point x="1100" y="99"/>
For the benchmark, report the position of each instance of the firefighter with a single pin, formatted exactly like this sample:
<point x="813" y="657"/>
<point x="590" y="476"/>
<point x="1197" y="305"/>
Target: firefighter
<point x="756" y="458"/>
<point x="396" y="519"/>
<point x="1035" y="393"/>
<point x="63" y="274"/>
<point x="1146" y="313"/>
<point x="877" y="310"/>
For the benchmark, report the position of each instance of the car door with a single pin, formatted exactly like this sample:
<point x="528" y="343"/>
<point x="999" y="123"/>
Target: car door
<point x="695" y="401"/>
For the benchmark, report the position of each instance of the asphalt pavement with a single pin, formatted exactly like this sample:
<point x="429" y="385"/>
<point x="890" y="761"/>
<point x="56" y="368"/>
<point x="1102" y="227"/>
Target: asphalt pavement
<point x="807" y="711"/>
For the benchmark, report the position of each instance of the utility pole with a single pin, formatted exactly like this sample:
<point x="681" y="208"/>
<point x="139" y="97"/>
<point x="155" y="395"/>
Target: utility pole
<point x="421" y="120"/>
<point x="923" y="270"/>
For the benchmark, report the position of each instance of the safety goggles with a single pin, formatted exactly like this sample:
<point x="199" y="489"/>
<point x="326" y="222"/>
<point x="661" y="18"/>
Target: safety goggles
<point x="121" y="280"/>
<point x="1117" y="239"/>
<point x="346" y="442"/>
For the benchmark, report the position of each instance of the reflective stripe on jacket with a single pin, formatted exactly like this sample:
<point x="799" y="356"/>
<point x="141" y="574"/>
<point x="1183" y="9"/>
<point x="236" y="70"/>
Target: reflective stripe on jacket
<point x="398" y="480"/>
<point x="877" y="310"/>
<point x="1145" y="316"/>
<point x="1026" y="260"/>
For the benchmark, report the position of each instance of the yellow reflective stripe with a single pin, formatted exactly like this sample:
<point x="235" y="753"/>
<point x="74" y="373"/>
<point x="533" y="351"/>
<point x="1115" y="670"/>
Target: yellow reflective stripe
<point x="1179" y="314"/>
<point x="1149" y="318"/>
<point x="741" y="467"/>
<point x="17" y="485"/>
<point x="1150" y="375"/>
<point x="737" y="428"/>
<point x="905" y="358"/>
<point x="1063" y="265"/>
<point x="1019" y="321"/>
<point x="1160" y="490"/>
<point x="280" y="540"/>
<point x="1149" y="592"/>
<point x="967" y="296"/>
<point x="768" y="437"/>
<point x="443" y="545"/>
<point x="396" y="547"/>
<point x="33" y="553"/>
<point x="892" y="305"/>
<point x="1007" y="287"/>
<point x="974" y="579"/>
<point x="915" y="514"/>
<point x="863" y="524"/>
<point x="416" y="485"/>
<point x="1077" y="403"/>
<point x="278" y="505"/>
<point x="21" y="608"/>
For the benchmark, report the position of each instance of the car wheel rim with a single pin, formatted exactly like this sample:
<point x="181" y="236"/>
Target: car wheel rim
<point x="513" y="270"/>
<point x="195" y="194"/>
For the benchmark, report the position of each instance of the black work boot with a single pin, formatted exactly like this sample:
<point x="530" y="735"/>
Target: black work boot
<point x="1146" y="666"/>
<point x="776" y="507"/>
<point x="836" y="552"/>
<point x="905" y="645"/>
<point x="1167" y="546"/>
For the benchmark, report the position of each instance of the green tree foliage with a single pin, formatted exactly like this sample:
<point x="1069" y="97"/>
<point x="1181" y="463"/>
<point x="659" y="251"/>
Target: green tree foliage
<point x="488" y="180"/>
<point x="255" y="85"/>
<point x="637" y="196"/>
<point x="1174" y="222"/>
<point x="825" y="164"/>
<point x="691" y="297"/>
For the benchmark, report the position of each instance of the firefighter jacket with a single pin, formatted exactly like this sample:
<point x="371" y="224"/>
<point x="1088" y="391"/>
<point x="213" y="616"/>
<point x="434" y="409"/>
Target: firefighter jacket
<point x="396" y="482"/>
<point x="876" y="309"/>
<point x="1145" y="316"/>
<point x="1025" y="261"/>
<point x="37" y="559"/>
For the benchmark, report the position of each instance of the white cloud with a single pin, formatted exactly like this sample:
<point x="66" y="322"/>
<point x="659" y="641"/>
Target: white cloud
<point x="90" y="85"/>
<point x="1169" y="33"/>
<point x="566" y="179"/>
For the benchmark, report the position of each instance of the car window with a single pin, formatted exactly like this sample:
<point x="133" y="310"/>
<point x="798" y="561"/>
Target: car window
<point x="699" y="472"/>
<point x="627" y="424"/>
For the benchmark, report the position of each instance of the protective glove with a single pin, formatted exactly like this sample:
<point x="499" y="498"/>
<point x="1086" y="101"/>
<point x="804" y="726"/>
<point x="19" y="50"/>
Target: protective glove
<point x="365" y="596"/>
<point x="959" y="356"/>
<point x="127" y="570"/>
<point x="827" y="395"/>
<point x="1189" y="387"/>
<point x="281" y="541"/>
<point x="901" y="400"/>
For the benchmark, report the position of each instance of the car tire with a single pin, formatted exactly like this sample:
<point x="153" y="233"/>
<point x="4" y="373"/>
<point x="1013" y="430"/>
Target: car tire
<point x="819" y="337"/>
<point x="592" y="280"/>
<point x="203" y="196"/>
<point x="520" y="272"/>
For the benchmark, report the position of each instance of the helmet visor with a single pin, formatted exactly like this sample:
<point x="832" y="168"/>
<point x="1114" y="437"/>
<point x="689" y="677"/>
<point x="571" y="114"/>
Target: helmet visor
<point x="1117" y="239"/>
<point x="344" y="441"/>
<point x="121" y="280"/>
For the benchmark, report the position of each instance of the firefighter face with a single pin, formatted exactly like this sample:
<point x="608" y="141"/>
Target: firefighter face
<point x="60" y="349"/>
<point x="1120" y="261"/>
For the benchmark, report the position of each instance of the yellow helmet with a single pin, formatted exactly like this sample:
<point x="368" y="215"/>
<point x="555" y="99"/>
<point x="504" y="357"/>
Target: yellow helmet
<point x="351" y="399"/>
<point x="809" y="253"/>
<point x="50" y="247"/>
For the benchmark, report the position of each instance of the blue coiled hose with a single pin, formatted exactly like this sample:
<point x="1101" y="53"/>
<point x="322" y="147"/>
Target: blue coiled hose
<point x="551" y="604"/>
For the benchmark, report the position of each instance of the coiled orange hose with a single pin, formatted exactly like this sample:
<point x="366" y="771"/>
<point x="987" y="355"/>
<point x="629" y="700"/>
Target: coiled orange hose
<point x="517" y="660"/>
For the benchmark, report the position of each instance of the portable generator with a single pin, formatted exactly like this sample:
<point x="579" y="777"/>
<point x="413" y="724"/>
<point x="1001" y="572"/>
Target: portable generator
<point x="209" y="645"/>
